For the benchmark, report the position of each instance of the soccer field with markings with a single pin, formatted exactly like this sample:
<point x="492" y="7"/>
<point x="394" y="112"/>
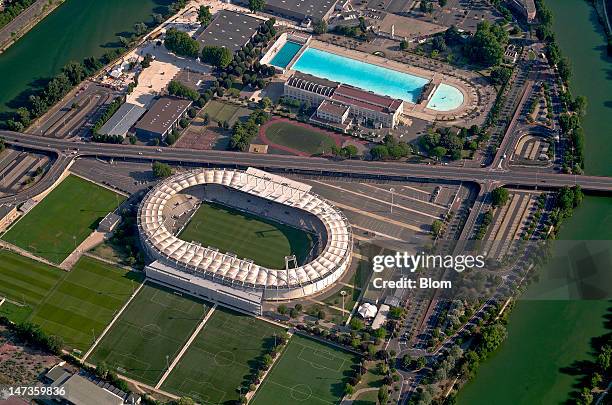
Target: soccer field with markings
<point x="85" y="301"/>
<point x="248" y="236"/>
<point x="63" y="219"/>
<point x="309" y="372"/>
<point x="25" y="282"/>
<point x="221" y="356"/>
<point x="157" y="323"/>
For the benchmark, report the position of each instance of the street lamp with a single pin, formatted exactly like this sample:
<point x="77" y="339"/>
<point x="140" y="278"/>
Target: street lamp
<point x="392" y="190"/>
<point x="343" y="294"/>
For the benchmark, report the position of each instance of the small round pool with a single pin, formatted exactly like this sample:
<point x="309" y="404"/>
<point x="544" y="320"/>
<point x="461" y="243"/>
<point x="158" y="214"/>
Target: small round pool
<point x="445" y="98"/>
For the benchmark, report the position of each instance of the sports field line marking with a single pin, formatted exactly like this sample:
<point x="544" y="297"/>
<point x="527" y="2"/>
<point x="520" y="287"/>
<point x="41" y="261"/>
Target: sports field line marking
<point x="186" y="346"/>
<point x="312" y="395"/>
<point x="321" y="353"/>
<point x="112" y="322"/>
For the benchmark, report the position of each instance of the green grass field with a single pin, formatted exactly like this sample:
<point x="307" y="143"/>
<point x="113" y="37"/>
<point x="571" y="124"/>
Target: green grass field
<point x="297" y="137"/>
<point x="308" y="372"/>
<point x="63" y="219"/>
<point x="26" y="281"/>
<point x="85" y="301"/>
<point x="220" y="357"/>
<point x="156" y="324"/>
<point x="266" y="242"/>
<point x="219" y="111"/>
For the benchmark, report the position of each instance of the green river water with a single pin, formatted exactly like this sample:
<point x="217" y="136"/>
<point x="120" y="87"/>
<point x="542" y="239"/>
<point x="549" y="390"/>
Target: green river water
<point x="546" y="336"/>
<point x="74" y="31"/>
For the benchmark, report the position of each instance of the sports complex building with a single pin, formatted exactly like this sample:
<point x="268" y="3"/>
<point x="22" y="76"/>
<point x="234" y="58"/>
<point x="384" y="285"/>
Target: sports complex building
<point x="223" y="277"/>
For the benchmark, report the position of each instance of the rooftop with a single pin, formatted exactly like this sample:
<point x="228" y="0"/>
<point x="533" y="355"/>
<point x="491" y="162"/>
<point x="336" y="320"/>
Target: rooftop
<point x="230" y="30"/>
<point x="315" y="9"/>
<point x="336" y="109"/>
<point x="312" y="83"/>
<point x="122" y="120"/>
<point x="164" y="113"/>
<point x="365" y="99"/>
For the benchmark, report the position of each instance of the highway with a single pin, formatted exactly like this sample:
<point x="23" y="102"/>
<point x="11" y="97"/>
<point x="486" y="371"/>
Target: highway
<point x="68" y="150"/>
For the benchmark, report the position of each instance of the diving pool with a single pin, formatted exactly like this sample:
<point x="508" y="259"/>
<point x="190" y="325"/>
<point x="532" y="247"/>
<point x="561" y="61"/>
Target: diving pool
<point x="285" y="54"/>
<point x="445" y="98"/>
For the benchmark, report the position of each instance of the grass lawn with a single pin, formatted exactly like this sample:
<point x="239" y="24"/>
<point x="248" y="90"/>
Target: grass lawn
<point x="63" y="219"/>
<point x="25" y="281"/>
<point x="156" y="324"/>
<point x="248" y="236"/>
<point x="219" y="111"/>
<point x="85" y="301"/>
<point x="220" y="357"/>
<point x="308" y="372"/>
<point x="300" y="138"/>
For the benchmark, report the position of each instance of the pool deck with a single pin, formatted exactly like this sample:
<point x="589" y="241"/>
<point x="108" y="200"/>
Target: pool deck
<point x="470" y="96"/>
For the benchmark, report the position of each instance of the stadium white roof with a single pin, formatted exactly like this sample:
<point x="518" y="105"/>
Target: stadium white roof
<point x="212" y="263"/>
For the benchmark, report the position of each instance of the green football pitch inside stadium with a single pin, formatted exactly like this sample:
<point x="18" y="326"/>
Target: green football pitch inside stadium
<point x="220" y="357"/>
<point x="248" y="236"/>
<point x="85" y="301"/>
<point x="63" y="219"/>
<point x="309" y="372"/>
<point x="149" y="333"/>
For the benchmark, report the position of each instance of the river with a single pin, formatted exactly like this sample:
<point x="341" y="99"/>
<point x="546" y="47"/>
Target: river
<point x="74" y="31"/>
<point x="546" y="336"/>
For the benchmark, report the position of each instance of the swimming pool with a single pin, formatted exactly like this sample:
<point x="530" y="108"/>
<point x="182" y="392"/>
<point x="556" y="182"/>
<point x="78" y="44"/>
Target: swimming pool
<point x="285" y="54"/>
<point x="378" y="79"/>
<point x="445" y="98"/>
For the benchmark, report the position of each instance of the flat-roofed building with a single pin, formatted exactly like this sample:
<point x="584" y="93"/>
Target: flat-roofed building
<point x="333" y="115"/>
<point x="366" y="107"/>
<point x="230" y="30"/>
<point x="299" y="10"/>
<point x="402" y="28"/>
<point x="122" y="120"/>
<point x="162" y="118"/>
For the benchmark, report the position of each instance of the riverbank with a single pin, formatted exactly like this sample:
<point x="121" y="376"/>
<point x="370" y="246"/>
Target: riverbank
<point x="545" y="338"/>
<point x="76" y="30"/>
<point x="25" y="21"/>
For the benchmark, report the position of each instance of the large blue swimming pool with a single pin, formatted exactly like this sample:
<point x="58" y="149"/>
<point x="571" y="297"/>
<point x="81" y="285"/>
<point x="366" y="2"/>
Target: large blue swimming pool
<point x="360" y="74"/>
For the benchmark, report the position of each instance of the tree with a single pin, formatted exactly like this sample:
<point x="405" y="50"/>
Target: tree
<point x="282" y="309"/>
<point x="140" y="28"/>
<point x="181" y="43"/>
<point x="438" y="152"/>
<point x="420" y="363"/>
<point x="379" y="152"/>
<point x="178" y="89"/>
<point x="348" y="389"/>
<point x="256" y="5"/>
<point x="500" y="75"/>
<point x="406" y="362"/>
<point x="265" y="103"/>
<point x="320" y="27"/>
<point x="383" y="395"/>
<point x="217" y="56"/>
<point x="185" y="401"/>
<point x="161" y="170"/>
<point x="486" y="46"/>
<point x="442" y="3"/>
<point x="499" y="197"/>
<point x="404" y="44"/>
<point x="436" y="227"/>
<point x="74" y="71"/>
<point x="204" y="15"/>
<point x="357" y="324"/>
<point x="146" y="61"/>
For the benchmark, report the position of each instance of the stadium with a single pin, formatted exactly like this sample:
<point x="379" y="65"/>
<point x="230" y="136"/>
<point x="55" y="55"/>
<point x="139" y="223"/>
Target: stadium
<point x="167" y="218"/>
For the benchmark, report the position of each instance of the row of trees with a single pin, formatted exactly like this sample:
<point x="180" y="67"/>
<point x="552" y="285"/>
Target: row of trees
<point x="443" y="142"/>
<point x="181" y="43"/>
<point x="13" y="9"/>
<point x="74" y="72"/>
<point x="274" y="346"/>
<point x="33" y="335"/>
<point x="244" y="133"/>
<point x="391" y="148"/>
